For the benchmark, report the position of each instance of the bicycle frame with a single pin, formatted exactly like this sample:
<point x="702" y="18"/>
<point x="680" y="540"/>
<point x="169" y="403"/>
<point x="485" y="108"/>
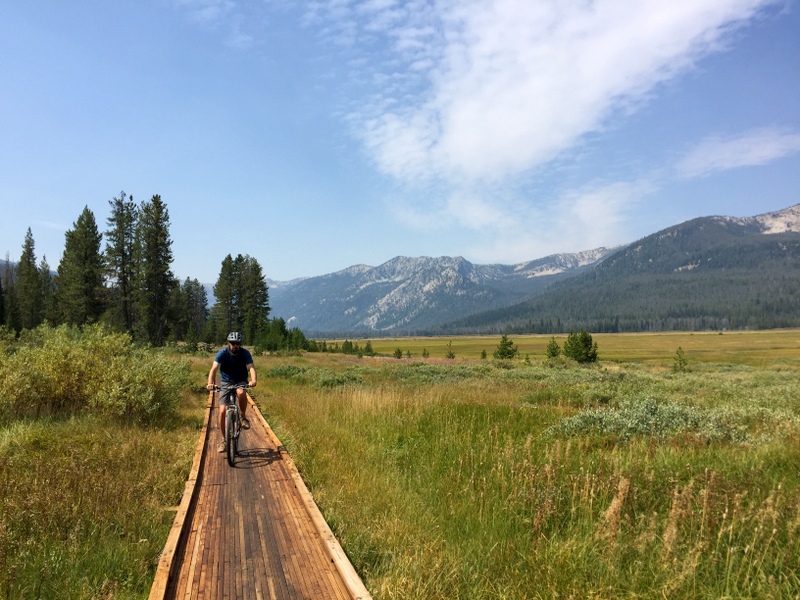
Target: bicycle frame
<point x="233" y="424"/>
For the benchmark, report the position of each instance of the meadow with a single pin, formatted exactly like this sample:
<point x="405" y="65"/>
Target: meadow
<point x="96" y="440"/>
<point x="473" y="478"/>
<point x="443" y="478"/>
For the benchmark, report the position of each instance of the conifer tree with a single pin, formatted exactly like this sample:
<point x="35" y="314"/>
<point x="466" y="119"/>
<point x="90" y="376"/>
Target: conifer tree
<point x="52" y="314"/>
<point x="253" y="298"/>
<point x="155" y="281"/>
<point x="505" y="349"/>
<point x="553" y="349"/>
<point x="580" y="347"/>
<point x="223" y="311"/>
<point x="80" y="273"/>
<point x="10" y="309"/>
<point x="28" y="286"/>
<point x="242" y="300"/>
<point x="190" y="310"/>
<point x="120" y="259"/>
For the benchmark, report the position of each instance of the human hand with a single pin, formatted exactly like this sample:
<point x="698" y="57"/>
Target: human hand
<point x="251" y="384"/>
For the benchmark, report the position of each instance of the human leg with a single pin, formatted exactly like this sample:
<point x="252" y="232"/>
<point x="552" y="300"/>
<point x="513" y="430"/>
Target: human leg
<point x="241" y="398"/>
<point x="221" y="447"/>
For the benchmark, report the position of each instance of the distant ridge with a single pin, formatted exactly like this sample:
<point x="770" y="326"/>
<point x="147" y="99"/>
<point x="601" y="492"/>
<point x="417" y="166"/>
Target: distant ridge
<point x="407" y="294"/>
<point x="707" y="273"/>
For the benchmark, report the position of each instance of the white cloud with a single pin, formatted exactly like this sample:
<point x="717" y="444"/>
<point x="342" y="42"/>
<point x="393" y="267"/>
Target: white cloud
<point x="206" y="11"/>
<point x="747" y="149"/>
<point x="508" y="86"/>
<point x="507" y="228"/>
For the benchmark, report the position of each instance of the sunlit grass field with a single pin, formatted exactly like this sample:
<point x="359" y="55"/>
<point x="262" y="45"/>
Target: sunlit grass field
<point x="471" y="478"/>
<point x="754" y="348"/>
<point x="446" y="478"/>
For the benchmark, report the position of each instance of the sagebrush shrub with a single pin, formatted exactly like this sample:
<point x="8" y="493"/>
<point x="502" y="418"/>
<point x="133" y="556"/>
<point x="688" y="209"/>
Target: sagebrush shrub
<point x="648" y="418"/>
<point x="67" y="370"/>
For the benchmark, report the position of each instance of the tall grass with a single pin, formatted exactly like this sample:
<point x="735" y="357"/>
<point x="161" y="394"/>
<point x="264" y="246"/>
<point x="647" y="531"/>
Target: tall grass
<point x="476" y="480"/>
<point x="96" y="439"/>
<point x="85" y="509"/>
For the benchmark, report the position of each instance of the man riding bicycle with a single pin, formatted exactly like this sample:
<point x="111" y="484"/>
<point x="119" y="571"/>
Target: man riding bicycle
<point x="233" y="363"/>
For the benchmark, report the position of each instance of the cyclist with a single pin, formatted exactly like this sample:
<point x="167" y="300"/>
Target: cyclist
<point x="233" y="363"/>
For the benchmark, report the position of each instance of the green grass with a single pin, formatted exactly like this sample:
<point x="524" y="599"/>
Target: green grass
<point x="447" y="478"/>
<point x="474" y="479"/>
<point x="756" y="348"/>
<point x="85" y="507"/>
<point x="96" y="443"/>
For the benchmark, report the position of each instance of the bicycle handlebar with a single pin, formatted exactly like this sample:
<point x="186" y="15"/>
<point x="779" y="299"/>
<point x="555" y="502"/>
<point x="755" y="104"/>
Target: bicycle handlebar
<point x="218" y="388"/>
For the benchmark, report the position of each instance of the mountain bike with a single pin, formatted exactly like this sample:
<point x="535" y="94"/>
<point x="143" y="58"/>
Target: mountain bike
<point x="233" y="423"/>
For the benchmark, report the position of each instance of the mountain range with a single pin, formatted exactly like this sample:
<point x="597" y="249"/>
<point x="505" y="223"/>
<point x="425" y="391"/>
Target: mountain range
<point x="705" y="273"/>
<point x="407" y="294"/>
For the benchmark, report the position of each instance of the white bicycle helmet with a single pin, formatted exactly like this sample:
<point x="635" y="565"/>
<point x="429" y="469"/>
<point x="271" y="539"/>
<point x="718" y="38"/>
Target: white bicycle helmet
<point x="235" y="336"/>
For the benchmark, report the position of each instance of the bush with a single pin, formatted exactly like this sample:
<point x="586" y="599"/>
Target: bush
<point x="648" y="418"/>
<point x="580" y="347"/>
<point x="66" y="370"/>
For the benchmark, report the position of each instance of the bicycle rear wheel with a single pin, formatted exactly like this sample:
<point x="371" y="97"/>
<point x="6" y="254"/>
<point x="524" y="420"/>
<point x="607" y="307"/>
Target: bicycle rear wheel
<point x="230" y="438"/>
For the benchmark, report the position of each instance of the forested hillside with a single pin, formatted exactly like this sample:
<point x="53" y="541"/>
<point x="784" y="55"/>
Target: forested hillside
<point x="708" y="273"/>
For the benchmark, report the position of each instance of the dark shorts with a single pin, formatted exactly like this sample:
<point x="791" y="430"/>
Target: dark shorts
<point x="227" y="392"/>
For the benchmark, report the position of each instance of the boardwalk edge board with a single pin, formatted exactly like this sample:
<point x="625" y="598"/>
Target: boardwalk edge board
<point x="337" y="555"/>
<point x="164" y="572"/>
<point x="166" y="567"/>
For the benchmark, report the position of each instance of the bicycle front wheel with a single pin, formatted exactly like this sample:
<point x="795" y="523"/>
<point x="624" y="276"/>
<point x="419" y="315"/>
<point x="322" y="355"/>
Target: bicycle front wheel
<point x="230" y="438"/>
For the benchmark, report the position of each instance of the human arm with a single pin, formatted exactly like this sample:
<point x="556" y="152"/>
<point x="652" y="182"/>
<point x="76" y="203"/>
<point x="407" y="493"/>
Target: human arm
<point x="212" y="376"/>
<point x="253" y="378"/>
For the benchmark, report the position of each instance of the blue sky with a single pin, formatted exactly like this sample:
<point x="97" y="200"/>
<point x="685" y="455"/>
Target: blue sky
<point x="316" y="135"/>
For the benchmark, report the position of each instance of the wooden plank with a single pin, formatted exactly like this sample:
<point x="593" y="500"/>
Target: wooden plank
<point x="250" y="532"/>
<point x="343" y="565"/>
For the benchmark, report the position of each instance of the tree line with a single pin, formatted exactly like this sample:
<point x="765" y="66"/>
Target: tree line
<point x="123" y="278"/>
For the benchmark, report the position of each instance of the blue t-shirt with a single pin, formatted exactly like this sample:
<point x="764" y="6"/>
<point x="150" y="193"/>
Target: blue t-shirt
<point x="233" y="367"/>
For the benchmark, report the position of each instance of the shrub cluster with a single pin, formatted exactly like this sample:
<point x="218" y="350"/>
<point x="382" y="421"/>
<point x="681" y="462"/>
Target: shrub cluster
<point x="648" y="418"/>
<point x="67" y="370"/>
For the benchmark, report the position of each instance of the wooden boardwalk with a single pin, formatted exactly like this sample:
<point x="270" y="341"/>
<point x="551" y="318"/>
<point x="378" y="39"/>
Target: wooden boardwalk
<point x="252" y="531"/>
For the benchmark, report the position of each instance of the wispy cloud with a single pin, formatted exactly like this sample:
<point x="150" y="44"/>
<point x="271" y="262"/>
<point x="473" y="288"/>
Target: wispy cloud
<point x="509" y="86"/>
<point x="237" y="20"/>
<point x="206" y="11"/>
<point x="747" y="149"/>
<point x="461" y="100"/>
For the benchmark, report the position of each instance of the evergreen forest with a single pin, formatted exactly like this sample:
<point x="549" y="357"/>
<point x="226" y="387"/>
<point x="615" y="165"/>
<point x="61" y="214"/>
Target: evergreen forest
<point x="122" y="278"/>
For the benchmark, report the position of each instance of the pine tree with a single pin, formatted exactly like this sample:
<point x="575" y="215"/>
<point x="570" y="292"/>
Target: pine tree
<point x="505" y="349"/>
<point x="189" y="310"/>
<point x="242" y="300"/>
<point x="253" y="298"/>
<point x="553" y="349"/>
<point x="224" y="307"/>
<point x="80" y="273"/>
<point x="155" y="282"/>
<point x="28" y="286"/>
<point x="52" y="313"/>
<point x="196" y="300"/>
<point x="120" y="259"/>
<point x="10" y="308"/>
<point x="580" y="347"/>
